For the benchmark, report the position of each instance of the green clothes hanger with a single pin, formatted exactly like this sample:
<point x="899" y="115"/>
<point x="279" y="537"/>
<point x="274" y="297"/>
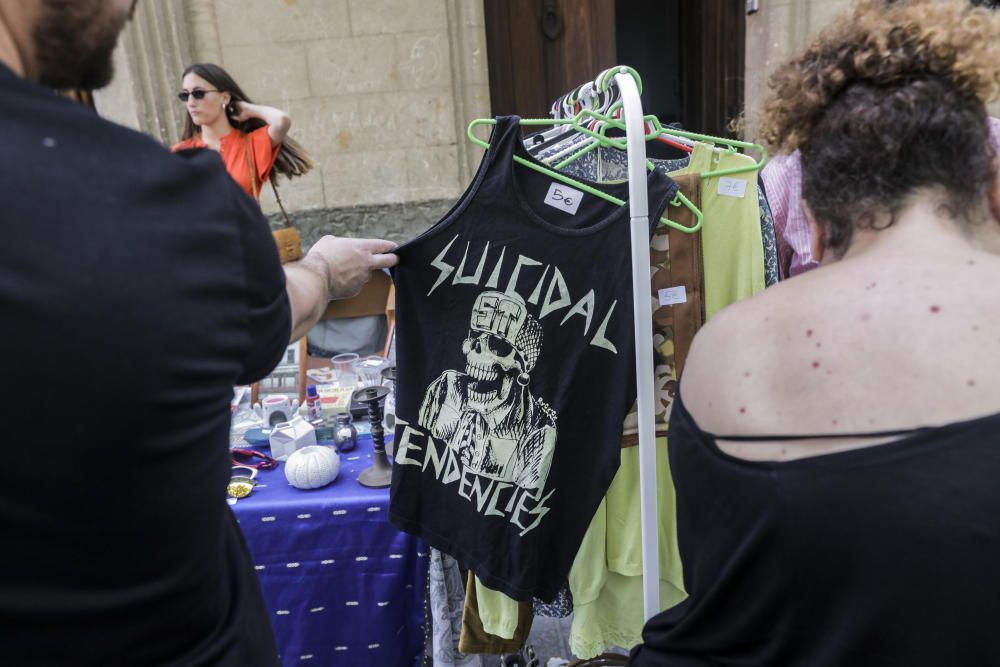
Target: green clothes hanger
<point x="679" y="199"/>
<point x="609" y="121"/>
<point x="731" y="144"/>
<point x="603" y="82"/>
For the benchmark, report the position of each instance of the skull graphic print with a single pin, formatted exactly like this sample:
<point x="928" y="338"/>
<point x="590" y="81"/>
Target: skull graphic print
<point x="487" y="414"/>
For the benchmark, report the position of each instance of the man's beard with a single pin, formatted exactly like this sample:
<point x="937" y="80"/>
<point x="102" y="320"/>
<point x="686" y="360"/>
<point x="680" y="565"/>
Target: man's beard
<point x="74" y="41"/>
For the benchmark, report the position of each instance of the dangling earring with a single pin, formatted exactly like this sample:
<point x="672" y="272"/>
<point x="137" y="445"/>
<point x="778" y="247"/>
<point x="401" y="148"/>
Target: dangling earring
<point x="523" y="379"/>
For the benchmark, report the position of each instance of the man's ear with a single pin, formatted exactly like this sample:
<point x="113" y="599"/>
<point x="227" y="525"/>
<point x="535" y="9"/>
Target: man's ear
<point x="817" y="237"/>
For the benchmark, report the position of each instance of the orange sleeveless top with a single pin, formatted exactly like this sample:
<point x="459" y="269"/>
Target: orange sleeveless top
<point x="233" y="150"/>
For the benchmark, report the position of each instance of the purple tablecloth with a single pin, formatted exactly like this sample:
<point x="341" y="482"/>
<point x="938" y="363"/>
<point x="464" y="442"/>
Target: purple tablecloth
<point x="342" y="585"/>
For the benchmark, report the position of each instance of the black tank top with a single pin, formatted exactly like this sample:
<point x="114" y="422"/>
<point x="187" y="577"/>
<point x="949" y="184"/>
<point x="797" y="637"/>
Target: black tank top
<point x="515" y="369"/>
<point x="881" y="556"/>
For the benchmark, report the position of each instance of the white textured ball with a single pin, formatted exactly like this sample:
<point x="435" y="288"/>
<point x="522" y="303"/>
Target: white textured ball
<point x="312" y="467"/>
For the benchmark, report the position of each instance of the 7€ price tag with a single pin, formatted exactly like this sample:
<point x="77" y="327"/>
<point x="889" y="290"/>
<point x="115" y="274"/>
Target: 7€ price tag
<point x="732" y="187"/>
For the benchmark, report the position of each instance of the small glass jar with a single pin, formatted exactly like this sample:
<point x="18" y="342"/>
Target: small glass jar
<point x="344" y="374"/>
<point x="369" y="370"/>
<point x="345" y="436"/>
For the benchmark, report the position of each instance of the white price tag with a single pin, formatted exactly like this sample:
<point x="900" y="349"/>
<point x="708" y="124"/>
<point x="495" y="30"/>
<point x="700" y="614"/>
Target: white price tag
<point x="564" y="198"/>
<point x="732" y="187"/>
<point x="672" y="295"/>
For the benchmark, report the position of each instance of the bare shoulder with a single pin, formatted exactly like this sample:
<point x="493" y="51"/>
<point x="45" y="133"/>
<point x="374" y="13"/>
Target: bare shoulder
<point x="740" y="353"/>
<point x="857" y="346"/>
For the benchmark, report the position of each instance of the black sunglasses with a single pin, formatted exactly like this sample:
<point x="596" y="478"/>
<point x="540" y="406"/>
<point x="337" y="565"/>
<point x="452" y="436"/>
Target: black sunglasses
<point x="197" y="94"/>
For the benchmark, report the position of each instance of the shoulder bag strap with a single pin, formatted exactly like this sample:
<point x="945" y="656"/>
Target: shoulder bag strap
<point x="253" y="172"/>
<point x="277" y="198"/>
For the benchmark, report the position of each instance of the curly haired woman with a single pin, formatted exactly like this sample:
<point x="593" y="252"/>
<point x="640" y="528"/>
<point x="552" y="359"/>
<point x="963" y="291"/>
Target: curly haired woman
<point x="782" y="178"/>
<point x="252" y="139"/>
<point x="837" y="484"/>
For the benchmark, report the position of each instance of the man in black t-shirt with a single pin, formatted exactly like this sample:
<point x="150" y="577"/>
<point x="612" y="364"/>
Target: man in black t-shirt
<point x="136" y="288"/>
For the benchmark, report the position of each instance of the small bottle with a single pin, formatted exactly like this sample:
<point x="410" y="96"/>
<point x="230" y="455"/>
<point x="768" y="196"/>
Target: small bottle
<point x="314" y="409"/>
<point x="345" y="435"/>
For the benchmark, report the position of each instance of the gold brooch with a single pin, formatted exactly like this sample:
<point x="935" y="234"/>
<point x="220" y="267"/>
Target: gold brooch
<point x="241" y="484"/>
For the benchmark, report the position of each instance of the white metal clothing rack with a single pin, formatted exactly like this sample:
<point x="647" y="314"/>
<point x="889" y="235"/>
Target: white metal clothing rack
<point x="638" y="202"/>
<point x="627" y="83"/>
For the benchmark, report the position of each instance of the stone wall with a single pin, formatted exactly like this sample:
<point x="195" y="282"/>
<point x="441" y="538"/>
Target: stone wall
<point x="379" y="92"/>
<point x="775" y="33"/>
<point x="778" y="31"/>
<point x="396" y="222"/>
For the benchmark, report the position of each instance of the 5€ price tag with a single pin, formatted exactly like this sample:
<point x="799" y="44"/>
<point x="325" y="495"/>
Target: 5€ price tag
<point x="564" y="198"/>
<point x="732" y="187"/>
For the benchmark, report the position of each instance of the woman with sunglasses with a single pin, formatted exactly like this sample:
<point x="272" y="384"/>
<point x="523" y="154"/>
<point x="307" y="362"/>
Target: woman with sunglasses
<point x="251" y="138"/>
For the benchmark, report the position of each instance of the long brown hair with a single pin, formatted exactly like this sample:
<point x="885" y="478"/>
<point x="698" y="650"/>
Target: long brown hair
<point x="292" y="159"/>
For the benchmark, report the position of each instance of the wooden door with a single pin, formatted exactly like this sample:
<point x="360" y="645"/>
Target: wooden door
<point x="713" y="41"/>
<point x="690" y="54"/>
<point x="540" y="49"/>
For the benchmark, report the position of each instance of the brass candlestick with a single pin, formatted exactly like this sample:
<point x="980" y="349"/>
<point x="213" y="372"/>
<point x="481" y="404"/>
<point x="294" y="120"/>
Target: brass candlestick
<point x="379" y="474"/>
